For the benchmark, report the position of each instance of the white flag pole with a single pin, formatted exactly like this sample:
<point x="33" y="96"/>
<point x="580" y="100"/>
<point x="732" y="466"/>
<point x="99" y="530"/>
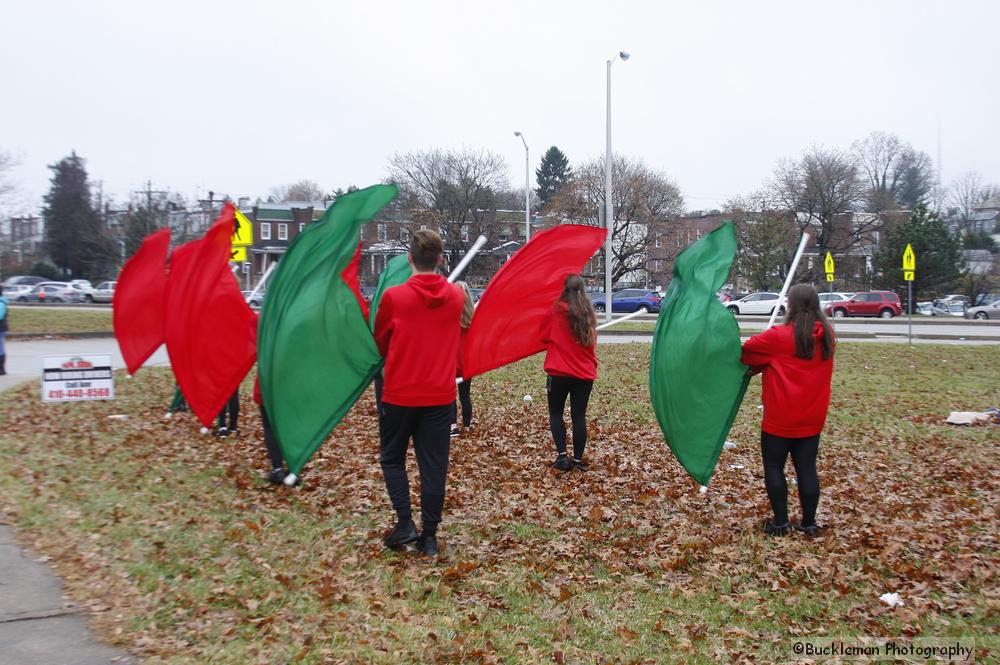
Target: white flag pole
<point x="789" y="278"/>
<point x="263" y="278"/>
<point x="634" y="314"/>
<point x="476" y="246"/>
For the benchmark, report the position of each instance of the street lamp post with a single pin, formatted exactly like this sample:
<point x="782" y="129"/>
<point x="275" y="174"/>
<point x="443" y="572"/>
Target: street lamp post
<point x="527" y="190"/>
<point x="609" y="218"/>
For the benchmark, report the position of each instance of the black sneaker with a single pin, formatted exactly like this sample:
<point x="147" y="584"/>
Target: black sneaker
<point x="811" y="531"/>
<point x="403" y="533"/>
<point x="429" y="545"/>
<point x="562" y="463"/>
<point x="580" y="464"/>
<point x="772" y="529"/>
<point x="222" y="432"/>
<point x="454" y="431"/>
<point x="277" y="476"/>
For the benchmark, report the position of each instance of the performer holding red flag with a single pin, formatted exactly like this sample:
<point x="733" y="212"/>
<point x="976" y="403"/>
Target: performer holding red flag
<point x="797" y="362"/>
<point x="417" y="332"/>
<point x="570" y="335"/>
<point x="464" y="388"/>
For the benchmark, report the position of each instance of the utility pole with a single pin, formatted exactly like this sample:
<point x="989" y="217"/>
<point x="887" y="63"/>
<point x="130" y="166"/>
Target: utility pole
<point x="149" y="194"/>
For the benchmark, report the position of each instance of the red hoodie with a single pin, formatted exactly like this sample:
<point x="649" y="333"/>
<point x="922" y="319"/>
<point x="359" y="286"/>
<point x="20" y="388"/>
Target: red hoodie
<point x="796" y="392"/>
<point x="416" y="329"/>
<point x="565" y="356"/>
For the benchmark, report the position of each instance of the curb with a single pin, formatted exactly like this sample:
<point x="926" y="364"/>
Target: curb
<point x="11" y="337"/>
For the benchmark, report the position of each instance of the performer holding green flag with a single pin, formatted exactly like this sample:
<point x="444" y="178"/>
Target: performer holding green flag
<point x="797" y="364"/>
<point x="417" y="331"/>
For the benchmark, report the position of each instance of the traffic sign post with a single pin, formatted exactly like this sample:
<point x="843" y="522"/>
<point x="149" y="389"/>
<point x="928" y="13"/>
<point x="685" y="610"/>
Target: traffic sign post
<point x="909" y="272"/>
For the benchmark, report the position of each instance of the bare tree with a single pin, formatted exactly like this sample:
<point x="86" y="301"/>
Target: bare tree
<point x="644" y="201"/>
<point x="767" y="239"/>
<point x="968" y="191"/>
<point x="898" y="175"/>
<point x="454" y="189"/>
<point x="303" y="190"/>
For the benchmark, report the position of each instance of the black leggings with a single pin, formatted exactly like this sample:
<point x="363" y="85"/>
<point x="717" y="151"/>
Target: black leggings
<point x="233" y="406"/>
<point x="270" y="442"/>
<point x="464" y="396"/>
<point x="578" y="390"/>
<point x="774" y="451"/>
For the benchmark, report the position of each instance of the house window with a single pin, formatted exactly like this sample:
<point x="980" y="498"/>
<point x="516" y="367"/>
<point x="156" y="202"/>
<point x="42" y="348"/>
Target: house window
<point x="423" y="227"/>
<point x="699" y="234"/>
<point x="301" y="226"/>
<point x="373" y="264"/>
<point x="282" y="231"/>
<point x="381" y="233"/>
<point x="464" y="233"/>
<point x="657" y="242"/>
<point x="404" y="234"/>
<point x="679" y="240"/>
<point x="265" y="230"/>
<point x="505" y="235"/>
<point x="658" y="265"/>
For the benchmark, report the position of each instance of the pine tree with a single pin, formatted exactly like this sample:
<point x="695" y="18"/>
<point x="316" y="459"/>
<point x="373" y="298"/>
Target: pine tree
<point x="938" y="253"/>
<point x="139" y="222"/>
<point x="552" y="174"/>
<point x="75" y="237"/>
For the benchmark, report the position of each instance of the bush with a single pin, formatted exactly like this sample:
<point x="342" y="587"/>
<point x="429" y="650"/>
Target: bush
<point x="46" y="270"/>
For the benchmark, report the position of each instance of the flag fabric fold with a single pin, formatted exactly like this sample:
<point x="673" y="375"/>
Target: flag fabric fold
<point x="396" y="271"/>
<point x="139" y="304"/>
<point x="696" y="379"/>
<point x="521" y="295"/>
<point x="210" y="330"/>
<point x="317" y="354"/>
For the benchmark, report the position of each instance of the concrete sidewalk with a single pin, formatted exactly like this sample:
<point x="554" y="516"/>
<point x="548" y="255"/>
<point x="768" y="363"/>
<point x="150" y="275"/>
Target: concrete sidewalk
<point x="38" y="625"/>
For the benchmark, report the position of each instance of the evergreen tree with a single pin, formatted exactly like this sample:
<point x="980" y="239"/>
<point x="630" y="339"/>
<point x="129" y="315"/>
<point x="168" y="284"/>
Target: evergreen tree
<point x="75" y="237"/>
<point x="139" y="222"/>
<point x="552" y="174"/>
<point x="938" y="253"/>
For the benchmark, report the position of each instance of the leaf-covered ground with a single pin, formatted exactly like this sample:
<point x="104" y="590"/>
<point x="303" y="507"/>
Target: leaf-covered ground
<point x="185" y="555"/>
<point x="55" y="321"/>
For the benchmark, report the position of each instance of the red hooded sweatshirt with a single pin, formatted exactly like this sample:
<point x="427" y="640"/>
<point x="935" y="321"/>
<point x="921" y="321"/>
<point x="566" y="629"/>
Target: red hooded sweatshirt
<point x="564" y="355"/>
<point x="796" y="392"/>
<point x="416" y="329"/>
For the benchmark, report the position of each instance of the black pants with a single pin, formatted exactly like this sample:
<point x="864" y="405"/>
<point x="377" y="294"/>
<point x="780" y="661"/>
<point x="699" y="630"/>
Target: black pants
<point x="774" y="451"/>
<point x="578" y="390"/>
<point x="378" y="392"/>
<point x="271" y="443"/>
<point x="465" y="397"/>
<point x="233" y="406"/>
<point x="430" y="428"/>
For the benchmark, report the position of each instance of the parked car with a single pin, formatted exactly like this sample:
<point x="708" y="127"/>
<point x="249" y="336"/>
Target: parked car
<point x="884" y="304"/>
<point x="984" y="311"/>
<point x="630" y="300"/>
<point x="948" y="308"/>
<point x="84" y="289"/>
<point x="476" y="294"/>
<point x="105" y="292"/>
<point x="14" y="290"/>
<point x="758" y="303"/>
<point x="924" y="308"/>
<point x="30" y="280"/>
<point x="955" y="296"/>
<point x="258" y="299"/>
<point x="985" y="299"/>
<point x="51" y="292"/>
<point x="827" y="298"/>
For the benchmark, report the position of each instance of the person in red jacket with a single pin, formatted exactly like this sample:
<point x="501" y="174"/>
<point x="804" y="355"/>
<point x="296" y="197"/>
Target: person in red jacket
<point x="417" y="332"/>
<point x="465" y="387"/>
<point x="797" y="364"/>
<point x="570" y="335"/>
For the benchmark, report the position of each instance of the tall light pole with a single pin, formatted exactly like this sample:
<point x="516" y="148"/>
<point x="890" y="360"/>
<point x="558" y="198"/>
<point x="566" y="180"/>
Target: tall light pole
<point x="527" y="190"/>
<point x="609" y="217"/>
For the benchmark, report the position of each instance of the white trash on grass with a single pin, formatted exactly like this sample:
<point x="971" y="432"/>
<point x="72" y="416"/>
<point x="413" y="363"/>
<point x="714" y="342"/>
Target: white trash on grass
<point x="891" y="599"/>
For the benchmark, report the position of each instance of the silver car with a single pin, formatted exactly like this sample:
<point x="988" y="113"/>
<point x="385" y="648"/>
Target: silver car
<point x="105" y="292"/>
<point x="984" y="312"/>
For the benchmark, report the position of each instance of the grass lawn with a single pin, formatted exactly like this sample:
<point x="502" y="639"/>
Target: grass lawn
<point x="185" y="555"/>
<point x="55" y="321"/>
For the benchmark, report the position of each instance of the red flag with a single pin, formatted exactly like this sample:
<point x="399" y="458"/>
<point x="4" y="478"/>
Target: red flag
<point x="350" y="277"/>
<point x="139" y="304"/>
<point x="522" y="293"/>
<point x="211" y="332"/>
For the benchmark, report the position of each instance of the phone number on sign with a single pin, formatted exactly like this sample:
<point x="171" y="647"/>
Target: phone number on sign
<point x="80" y="393"/>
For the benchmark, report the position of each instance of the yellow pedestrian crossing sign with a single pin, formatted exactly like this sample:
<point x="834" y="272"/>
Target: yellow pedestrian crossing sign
<point x="828" y="266"/>
<point x="243" y="231"/>
<point x="237" y="254"/>
<point x="909" y="263"/>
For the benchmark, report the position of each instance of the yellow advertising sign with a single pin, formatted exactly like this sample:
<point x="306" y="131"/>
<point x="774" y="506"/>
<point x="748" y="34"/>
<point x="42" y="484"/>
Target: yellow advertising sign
<point x="237" y="254"/>
<point x="828" y="265"/>
<point x="243" y="235"/>
<point x="909" y="258"/>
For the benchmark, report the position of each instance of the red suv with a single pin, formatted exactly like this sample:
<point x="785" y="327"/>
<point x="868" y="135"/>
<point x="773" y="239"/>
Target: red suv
<point x="884" y="304"/>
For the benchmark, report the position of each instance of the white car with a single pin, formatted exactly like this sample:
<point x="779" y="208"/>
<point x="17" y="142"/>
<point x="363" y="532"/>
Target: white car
<point x="14" y="290"/>
<point x="827" y="298"/>
<point x="105" y="292"/>
<point x="757" y="303"/>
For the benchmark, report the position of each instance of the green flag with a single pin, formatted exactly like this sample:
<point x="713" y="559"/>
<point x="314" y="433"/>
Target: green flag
<point x="396" y="272"/>
<point x="315" y="351"/>
<point x="696" y="379"/>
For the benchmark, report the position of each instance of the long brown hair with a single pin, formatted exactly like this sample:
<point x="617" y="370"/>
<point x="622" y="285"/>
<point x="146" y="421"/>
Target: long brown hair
<point x="468" y="309"/>
<point x="582" y="319"/>
<point x="803" y="313"/>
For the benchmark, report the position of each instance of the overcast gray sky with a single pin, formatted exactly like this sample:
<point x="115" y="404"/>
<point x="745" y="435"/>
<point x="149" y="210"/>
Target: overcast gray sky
<point x="239" y="96"/>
